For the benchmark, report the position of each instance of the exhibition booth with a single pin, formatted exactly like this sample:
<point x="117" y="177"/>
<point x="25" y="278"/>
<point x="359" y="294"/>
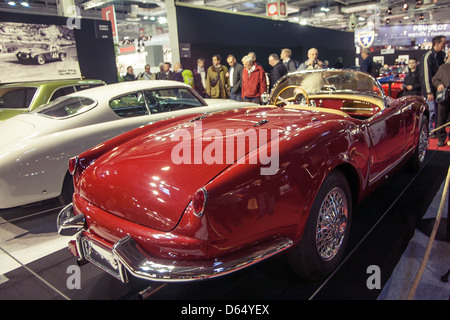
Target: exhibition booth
<point x="100" y="162"/>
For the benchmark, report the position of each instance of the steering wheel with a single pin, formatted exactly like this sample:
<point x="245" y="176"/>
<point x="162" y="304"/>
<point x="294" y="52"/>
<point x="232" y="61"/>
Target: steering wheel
<point x="290" y="99"/>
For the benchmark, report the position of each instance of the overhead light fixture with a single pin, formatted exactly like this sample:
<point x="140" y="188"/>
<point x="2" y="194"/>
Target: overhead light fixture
<point x="389" y="11"/>
<point x="406" y="17"/>
<point x="324" y="9"/>
<point x="388" y="21"/>
<point x="11" y="3"/>
<point x="421" y="16"/>
<point x="24" y="4"/>
<point x="162" y="20"/>
<point x="405" y="6"/>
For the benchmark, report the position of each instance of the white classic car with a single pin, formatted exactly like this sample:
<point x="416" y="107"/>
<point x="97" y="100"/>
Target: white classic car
<point x="35" y="147"/>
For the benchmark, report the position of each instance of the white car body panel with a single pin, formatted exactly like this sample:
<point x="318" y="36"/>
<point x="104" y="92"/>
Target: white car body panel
<point x="35" y="150"/>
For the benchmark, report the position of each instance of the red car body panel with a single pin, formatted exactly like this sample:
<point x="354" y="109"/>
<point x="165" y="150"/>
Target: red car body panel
<point x="129" y="186"/>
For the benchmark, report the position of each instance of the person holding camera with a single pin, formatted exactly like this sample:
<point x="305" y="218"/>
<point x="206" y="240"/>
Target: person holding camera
<point x="441" y="81"/>
<point x="313" y="62"/>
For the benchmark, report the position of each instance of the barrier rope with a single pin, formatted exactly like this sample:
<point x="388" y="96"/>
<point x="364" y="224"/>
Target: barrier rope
<point x="445" y="125"/>
<point x="431" y="240"/>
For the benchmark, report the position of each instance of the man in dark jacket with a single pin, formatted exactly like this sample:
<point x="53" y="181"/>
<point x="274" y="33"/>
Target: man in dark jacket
<point x="441" y="81"/>
<point x="235" y="78"/>
<point x="166" y="74"/>
<point x="129" y="75"/>
<point x="200" y="77"/>
<point x="429" y="65"/>
<point x="367" y="61"/>
<point x="288" y="62"/>
<point x="411" y="83"/>
<point x="278" y="69"/>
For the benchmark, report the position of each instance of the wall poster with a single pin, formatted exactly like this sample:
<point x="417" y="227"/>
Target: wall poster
<point x="36" y="52"/>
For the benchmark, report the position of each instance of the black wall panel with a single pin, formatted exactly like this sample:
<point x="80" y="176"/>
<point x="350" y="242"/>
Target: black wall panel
<point x="95" y="55"/>
<point x="209" y="32"/>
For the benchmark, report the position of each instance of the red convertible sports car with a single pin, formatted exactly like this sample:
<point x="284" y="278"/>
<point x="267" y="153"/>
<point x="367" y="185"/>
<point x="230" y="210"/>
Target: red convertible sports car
<point x="205" y="195"/>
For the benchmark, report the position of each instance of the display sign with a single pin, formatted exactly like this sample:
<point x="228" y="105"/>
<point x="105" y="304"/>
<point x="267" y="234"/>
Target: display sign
<point x="404" y="35"/>
<point x="276" y="9"/>
<point x="109" y="14"/>
<point x="36" y="52"/>
<point x="102" y="30"/>
<point x="185" y="50"/>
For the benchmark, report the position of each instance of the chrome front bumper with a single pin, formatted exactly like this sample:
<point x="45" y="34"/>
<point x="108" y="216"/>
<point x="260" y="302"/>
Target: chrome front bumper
<point x="127" y="255"/>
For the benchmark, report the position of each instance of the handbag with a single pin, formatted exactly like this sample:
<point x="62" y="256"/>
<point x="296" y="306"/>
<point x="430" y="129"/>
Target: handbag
<point x="442" y="96"/>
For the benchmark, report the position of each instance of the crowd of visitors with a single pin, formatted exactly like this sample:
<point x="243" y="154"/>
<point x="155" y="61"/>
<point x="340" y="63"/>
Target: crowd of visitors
<point x="246" y="80"/>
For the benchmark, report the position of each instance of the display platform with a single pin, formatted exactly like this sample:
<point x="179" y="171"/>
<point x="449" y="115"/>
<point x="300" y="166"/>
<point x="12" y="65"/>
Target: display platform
<point x="36" y="265"/>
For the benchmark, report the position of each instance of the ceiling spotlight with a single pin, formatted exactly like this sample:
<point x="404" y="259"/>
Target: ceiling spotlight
<point x="405" y="6"/>
<point x="389" y="11"/>
<point x="421" y="16"/>
<point x="388" y="21"/>
<point x="24" y="4"/>
<point x="11" y="3"/>
<point x="162" y="20"/>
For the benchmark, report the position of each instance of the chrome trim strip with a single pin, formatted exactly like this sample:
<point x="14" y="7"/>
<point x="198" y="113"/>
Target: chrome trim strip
<point x="141" y="265"/>
<point x="391" y="166"/>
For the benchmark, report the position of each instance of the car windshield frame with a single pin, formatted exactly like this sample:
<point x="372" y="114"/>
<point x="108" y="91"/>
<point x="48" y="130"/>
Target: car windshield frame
<point x="329" y="81"/>
<point x="55" y="106"/>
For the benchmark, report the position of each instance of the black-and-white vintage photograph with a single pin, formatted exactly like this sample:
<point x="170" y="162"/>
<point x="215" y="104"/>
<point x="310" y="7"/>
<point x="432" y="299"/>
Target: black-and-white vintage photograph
<point x="37" y="52"/>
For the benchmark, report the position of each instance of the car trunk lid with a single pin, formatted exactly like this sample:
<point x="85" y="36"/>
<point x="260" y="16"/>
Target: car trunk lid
<point x="151" y="178"/>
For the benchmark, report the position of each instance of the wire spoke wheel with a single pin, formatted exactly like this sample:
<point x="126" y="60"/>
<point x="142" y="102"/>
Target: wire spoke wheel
<point x="331" y="224"/>
<point x="423" y="143"/>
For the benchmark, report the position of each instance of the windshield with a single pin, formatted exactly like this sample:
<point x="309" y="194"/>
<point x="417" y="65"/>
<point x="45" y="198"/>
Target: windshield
<point x="41" y="46"/>
<point x="327" y="81"/>
<point x="16" y="97"/>
<point x="65" y="107"/>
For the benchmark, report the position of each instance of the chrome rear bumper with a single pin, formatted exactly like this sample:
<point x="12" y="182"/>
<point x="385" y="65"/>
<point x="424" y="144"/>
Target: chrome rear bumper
<point x="126" y="254"/>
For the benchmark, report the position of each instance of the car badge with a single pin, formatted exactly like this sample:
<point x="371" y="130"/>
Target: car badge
<point x="365" y="38"/>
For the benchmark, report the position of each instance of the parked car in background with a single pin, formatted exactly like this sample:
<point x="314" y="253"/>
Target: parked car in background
<point x="332" y="136"/>
<point x="16" y="98"/>
<point x="391" y="79"/>
<point x="35" y="147"/>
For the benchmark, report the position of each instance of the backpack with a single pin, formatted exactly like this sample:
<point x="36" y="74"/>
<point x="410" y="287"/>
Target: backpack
<point x="188" y="77"/>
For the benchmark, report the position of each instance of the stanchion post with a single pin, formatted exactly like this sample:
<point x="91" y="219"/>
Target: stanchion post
<point x="448" y="220"/>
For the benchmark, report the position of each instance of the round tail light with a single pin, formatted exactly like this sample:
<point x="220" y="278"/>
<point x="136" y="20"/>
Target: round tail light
<point x="199" y="202"/>
<point x="73" y="162"/>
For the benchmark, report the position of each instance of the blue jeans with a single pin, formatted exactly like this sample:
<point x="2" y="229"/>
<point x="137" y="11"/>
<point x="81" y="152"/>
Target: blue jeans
<point x="236" y="96"/>
<point x="432" y="109"/>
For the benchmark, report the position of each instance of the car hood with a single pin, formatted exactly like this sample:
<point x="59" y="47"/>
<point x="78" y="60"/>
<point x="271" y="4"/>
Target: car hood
<point x="142" y="180"/>
<point x="13" y="130"/>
